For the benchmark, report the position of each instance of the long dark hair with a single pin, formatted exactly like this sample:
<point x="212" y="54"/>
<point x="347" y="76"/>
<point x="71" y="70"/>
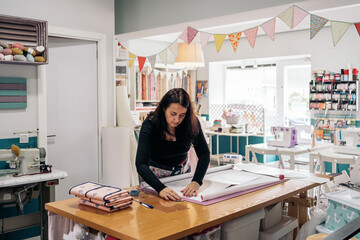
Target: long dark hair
<point x="189" y="127"/>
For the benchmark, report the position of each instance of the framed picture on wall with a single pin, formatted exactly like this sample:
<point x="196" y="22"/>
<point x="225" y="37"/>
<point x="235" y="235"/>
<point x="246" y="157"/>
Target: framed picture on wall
<point x="121" y="70"/>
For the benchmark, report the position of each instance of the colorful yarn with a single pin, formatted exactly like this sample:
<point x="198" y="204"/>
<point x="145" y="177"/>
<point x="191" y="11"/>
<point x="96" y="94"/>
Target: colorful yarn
<point x="2" y="57"/>
<point x="17" y="51"/>
<point x="18" y="45"/>
<point x="30" y="50"/>
<point x="30" y="58"/>
<point x="39" y="50"/>
<point x="1" y="49"/>
<point x="39" y="59"/>
<point x="20" y="58"/>
<point x="9" y="58"/>
<point x="7" y="51"/>
<point x="4" y="44"/>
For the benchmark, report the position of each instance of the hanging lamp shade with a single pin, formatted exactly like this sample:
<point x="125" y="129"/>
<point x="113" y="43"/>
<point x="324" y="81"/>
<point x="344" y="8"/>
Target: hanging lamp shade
<point x="190" y="56"/>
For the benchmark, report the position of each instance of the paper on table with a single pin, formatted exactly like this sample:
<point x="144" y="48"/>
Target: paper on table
<point x="230" y="177"/>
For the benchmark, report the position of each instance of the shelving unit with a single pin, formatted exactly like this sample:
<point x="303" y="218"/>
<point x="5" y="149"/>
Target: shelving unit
<point x="326" y="125"/>
<point x="334" y="95"/>
<point x="28" y="32"/>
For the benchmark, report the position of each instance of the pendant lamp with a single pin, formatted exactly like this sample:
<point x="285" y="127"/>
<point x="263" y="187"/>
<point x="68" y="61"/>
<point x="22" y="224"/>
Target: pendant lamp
<point x="190" y="56"/>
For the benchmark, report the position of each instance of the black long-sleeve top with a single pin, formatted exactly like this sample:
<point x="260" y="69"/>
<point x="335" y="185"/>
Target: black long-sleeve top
<point x="167" y="153"/>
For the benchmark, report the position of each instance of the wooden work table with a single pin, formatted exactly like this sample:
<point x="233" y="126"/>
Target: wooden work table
<point x="138" y="222"/>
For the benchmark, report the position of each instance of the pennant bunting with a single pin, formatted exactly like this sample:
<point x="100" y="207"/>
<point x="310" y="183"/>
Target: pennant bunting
<point x="163" y="56"/>
<point x="251" y="35"/>
<point x="219" y="40"/>
<point x="234" y="39"/>
<point x="132" y="58"/>
<point x="357" y="25"/>
<point x="299" y="15"/>
<point x="316" y="24"/>
<point x="188" y="35"/>
<point x="141" y="61"/>
<point x="204" y="38"/>
<point x="174" y="48"/>
<point x="152" y="61"/>
<point x="269" y="28"/>
<point x="170" y="58"/>
<point x="338" y="29"/>
<point x="287" y="16"/>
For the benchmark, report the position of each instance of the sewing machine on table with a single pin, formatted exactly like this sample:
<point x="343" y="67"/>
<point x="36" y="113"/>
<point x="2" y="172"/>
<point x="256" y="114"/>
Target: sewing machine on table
<point x="284" y="137"/>
<point x="25" y="177"/>
<point x="347" y="141"/>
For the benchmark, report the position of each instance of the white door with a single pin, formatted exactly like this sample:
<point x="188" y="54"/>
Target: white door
<point x="72" y="111"/>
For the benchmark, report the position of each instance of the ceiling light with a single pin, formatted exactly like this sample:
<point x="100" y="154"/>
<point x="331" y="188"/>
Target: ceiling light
<point x="190" y="56"/>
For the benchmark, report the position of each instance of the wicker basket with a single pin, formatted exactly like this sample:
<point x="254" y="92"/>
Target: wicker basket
<point x="232" y="119"/>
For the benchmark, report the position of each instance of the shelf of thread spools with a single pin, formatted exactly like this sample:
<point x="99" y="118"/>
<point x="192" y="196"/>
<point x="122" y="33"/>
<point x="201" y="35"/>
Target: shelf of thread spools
<point x="23" y="41"/>
<point x="334" y="91"/>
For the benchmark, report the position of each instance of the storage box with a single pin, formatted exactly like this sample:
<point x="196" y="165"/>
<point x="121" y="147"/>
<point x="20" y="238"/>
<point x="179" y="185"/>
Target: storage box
<point x="344" y="206"/>
<point x="208" y="234"/>
<point x="282" y="231"/>
<point x="273" y="215"/>
<point x="246" y="227"/>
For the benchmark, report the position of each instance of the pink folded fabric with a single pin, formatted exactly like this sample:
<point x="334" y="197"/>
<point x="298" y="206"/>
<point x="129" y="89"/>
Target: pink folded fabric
<point x="97" y="191"/>
<point x="108" y="209"/>
<point x="108" y="204"/>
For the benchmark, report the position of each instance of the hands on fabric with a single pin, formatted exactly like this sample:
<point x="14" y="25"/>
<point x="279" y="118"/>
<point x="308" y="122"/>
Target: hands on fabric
<point x="169" y="194"/>
<point x="191" y="190"/>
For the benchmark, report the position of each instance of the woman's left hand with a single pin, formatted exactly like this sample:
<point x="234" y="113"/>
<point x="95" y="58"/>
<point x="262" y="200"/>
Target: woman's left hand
<point x="191" y="190"/>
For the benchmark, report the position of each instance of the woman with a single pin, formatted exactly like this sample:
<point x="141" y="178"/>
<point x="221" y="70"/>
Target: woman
<point x="165" y="139"/>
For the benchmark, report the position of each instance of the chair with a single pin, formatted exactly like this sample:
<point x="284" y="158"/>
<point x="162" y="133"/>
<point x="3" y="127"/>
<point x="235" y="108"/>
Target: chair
<point x="334" y="159"/>
<point x="263" y="151"/>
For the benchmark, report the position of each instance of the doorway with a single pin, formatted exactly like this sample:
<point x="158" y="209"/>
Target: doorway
<point x="72" y="111"/>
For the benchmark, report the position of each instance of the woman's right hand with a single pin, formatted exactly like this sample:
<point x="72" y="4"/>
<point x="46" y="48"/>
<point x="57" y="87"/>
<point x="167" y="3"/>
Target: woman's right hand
<point x="169" y="194"/>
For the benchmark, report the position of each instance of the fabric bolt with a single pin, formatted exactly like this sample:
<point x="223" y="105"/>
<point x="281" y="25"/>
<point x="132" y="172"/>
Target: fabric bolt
<point x="204" y="38"/>
<point x="20" y="58"/>
<point x="234" y="39"/>
<point x="18" y="45"/>
<point x="251" y="35"/>
<point x="299" y="15"/>
<point x="113" y="202"/>
<point x="81" y="189"/>
<point x="338" y="29"/>
<point x="7" y="51"/>
<point x="58" y="226"/>
<point x="269" y="28"/>
<point x="316" y="24"/>
<point x="219" y="40"/>
<point x="108" y="209"/>
<point x="39" y="59"/>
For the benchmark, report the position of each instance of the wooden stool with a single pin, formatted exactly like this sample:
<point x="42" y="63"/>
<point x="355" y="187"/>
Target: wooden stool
<point x="320" y="236"/>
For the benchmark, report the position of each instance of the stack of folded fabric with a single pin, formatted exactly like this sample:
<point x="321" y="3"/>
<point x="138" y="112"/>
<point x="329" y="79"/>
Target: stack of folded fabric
<point x="103" y="197"/>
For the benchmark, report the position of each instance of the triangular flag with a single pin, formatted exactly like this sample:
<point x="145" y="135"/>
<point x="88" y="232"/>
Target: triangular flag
<point x="316" y="24"/>
<point x="338" y="29"/>
<point x="219" y="40"/>
<point x="170" y="58"/>
<point x="163" y="56"/>
<point x="204" y="38"/>
<point x="357" y="25"/>
<point x="287" y="16"/>
<point x="132" y="58"/>
<point x="174" y="48"/>
<point x="234" y="39"/>
<point x="188" y="35"/>
<point x="251" y="35"/>
<point x="299" y="15"/>
<point x="152" y="61"/>
<point x="141" y="61"/>
<point x="269" y="28"/>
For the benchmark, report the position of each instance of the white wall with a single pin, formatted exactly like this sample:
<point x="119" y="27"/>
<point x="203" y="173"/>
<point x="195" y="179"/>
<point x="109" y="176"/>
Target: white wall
<point x="86" y="15"/>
